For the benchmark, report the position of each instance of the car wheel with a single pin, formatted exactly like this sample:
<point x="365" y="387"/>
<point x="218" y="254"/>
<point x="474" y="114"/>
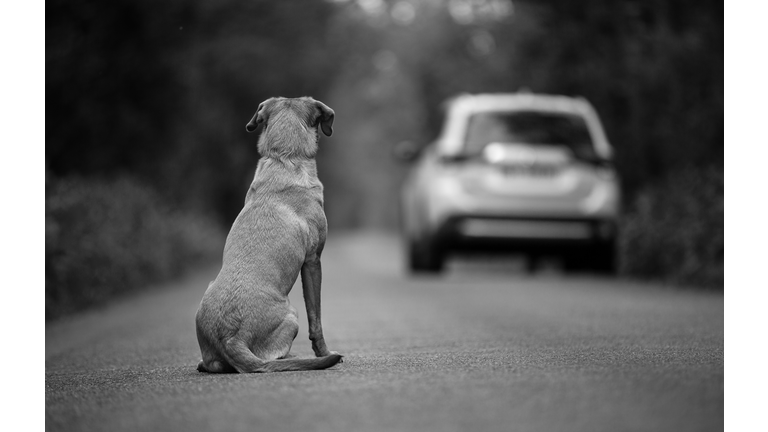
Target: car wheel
<point x="531" y="263"/>
<point x="574" y="262"/>
<point x="599" y="259"/>
<point x="603" y="259"/>
<point x="425" y="256"/>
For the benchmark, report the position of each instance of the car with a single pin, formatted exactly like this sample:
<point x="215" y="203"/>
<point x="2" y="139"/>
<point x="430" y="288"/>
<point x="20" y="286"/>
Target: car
<point x="515" y="172"/>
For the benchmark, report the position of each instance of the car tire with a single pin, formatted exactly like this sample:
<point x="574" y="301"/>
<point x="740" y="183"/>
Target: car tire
<point x="574" y="262"/>
<point x="425" y="256"/>
<point x="603" y="259"/>
<point x="598" y="259"/>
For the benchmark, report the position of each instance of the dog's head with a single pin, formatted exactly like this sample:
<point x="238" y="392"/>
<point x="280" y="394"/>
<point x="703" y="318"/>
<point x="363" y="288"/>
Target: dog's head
<point x="290" y="125"/>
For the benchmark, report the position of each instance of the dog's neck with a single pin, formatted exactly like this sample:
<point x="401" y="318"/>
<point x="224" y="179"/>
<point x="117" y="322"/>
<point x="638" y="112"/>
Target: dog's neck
<point x="277" y="173"/>
<point x="294" y="166"/>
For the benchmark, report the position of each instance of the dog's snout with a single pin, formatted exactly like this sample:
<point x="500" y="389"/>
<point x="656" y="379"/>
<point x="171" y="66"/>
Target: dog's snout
<point x="250" y="127"/>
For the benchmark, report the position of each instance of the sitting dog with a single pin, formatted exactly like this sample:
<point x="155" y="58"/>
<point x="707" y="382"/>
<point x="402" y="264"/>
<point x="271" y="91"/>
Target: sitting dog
<point x="245" y="322"/>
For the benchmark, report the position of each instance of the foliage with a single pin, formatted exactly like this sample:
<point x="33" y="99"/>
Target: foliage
<point x="654" y="70"/>
<point x="163" y="90"/>
<point x="106" y="237"/>
<point x="675" y="230"/>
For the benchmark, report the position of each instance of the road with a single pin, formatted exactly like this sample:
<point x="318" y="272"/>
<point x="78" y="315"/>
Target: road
<point x="485" y="347"/>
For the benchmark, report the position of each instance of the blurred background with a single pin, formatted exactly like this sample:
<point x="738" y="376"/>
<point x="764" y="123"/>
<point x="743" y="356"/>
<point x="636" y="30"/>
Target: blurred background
<point x="148" y="161"/>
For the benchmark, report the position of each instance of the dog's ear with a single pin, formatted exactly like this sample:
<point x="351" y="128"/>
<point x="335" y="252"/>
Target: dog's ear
<point x="261" y="116"/>
<point x="325" y="116"/>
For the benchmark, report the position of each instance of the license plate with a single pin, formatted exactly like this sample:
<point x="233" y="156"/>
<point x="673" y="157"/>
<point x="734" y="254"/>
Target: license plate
<point x="530" y="170"/>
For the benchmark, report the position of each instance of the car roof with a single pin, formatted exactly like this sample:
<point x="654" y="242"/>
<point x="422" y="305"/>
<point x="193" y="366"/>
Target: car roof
<point x="516" y="101"/>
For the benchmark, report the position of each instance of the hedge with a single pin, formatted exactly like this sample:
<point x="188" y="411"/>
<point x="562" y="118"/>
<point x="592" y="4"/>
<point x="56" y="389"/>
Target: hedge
<point x="674" y="230"/>
<point x="105" y="237"/>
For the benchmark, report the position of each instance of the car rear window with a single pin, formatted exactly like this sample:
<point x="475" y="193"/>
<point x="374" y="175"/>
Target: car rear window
<point x="528" y="127"/>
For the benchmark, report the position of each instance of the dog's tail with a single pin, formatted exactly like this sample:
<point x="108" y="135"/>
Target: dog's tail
<point x="244" y="361"/>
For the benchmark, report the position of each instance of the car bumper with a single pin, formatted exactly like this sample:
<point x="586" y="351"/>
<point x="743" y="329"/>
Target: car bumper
<point x="491" y="232"/>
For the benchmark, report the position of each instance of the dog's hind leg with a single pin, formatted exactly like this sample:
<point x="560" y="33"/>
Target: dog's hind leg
<point x="278" y="344"/>
<point x="253" y="355"/>
<point x="212" y="361"/>
<point x="272" y="356"/>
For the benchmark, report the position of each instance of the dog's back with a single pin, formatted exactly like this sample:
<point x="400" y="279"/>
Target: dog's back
<point x="245" y="321"/>
<point x="280" y="223"/>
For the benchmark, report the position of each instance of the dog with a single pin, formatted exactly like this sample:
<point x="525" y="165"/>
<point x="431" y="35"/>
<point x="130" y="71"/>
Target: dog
<point x="245" y="322"/>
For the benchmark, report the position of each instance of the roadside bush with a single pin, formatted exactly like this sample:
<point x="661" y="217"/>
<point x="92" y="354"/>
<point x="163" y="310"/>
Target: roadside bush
<point x="674" y="230"/>
<point x="107" y="237"/>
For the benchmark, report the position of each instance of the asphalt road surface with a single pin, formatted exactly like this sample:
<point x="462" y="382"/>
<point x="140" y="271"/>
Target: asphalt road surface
<point x="485" y="347"/>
